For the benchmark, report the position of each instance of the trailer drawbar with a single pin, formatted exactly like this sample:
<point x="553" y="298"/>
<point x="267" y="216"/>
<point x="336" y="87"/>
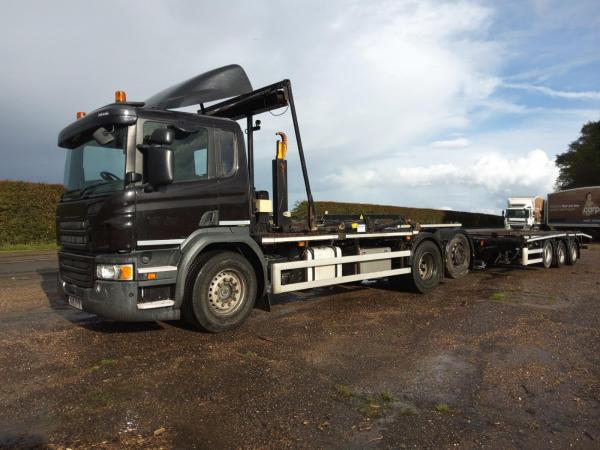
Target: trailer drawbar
<point x="161" y="218"/>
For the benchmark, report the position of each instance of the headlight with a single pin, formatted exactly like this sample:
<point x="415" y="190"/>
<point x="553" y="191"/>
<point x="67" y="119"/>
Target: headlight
<point x="114" y="271"/>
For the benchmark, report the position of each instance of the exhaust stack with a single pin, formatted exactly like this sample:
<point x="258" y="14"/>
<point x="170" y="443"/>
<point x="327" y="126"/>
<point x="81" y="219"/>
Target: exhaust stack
<point x="281" y="215"/>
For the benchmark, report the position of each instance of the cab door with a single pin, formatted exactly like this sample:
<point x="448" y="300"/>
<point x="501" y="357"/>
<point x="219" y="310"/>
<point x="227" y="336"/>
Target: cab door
<point x="169" y="214"/>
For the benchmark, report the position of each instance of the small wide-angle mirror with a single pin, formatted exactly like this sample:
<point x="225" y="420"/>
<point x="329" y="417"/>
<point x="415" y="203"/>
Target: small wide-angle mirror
<point x="162" y="136"/>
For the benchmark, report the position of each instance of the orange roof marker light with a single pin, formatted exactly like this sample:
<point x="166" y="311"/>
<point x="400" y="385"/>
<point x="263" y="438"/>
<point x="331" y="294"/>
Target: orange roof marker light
<point x="120" y="97"/>
<point x="80" y="115"/>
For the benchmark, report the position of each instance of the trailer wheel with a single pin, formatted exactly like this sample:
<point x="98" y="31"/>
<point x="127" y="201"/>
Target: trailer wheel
<point x="427" y="267"/>
<point x="547" y="254"/>
<point x="458" y="256"/>
<point x="561" y="254"/>
<point x="572" y="252"/>
<point x="223" y="292"/>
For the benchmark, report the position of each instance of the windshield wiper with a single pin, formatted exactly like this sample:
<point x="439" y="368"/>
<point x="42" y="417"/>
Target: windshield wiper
<point x="86" y="190"/>
<point x="91" y="187"/>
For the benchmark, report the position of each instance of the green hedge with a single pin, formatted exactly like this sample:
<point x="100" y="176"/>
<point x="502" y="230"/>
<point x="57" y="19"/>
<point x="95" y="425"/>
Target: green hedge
<point x="27" y="212"/>
<point x="420" y="215"/>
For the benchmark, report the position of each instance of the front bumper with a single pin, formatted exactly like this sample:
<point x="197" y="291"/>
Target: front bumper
<point x="117" y="300"/>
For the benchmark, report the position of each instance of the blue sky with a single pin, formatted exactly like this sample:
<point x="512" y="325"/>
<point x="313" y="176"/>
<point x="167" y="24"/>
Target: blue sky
<point x="430" y="103"/>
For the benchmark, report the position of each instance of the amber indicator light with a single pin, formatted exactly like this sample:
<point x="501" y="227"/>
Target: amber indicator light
<point x="120" y="97"/>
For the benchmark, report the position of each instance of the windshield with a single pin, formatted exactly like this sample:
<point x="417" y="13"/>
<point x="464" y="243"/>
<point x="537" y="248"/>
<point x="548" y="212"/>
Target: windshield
<point x="98" y="164"/>
<point x="517" y="213"/>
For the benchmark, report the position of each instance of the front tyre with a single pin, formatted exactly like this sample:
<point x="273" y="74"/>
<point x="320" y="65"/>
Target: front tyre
<point x="223" y="292"/>
<point x="427" y="267"/>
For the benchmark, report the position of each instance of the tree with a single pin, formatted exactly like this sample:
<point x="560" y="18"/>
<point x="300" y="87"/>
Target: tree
<point x="580" y="165"/>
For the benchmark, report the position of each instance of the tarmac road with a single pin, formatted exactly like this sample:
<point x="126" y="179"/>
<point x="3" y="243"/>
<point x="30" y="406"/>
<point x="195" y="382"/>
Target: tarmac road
<point x="503" y="358"/>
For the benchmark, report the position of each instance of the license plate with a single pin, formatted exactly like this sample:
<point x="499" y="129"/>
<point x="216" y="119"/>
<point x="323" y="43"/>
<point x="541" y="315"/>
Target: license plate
<point x="75" y="302"/>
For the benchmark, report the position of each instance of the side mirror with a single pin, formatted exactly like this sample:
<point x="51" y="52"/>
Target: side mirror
<point x="162" y="136"/>
<point x="160" y="164"/>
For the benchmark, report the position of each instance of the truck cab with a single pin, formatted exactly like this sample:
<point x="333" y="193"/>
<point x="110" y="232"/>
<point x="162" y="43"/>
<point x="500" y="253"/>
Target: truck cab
<point x="518" y="218"/>
<point x="121" y="211"/>
<point x="523" y="213"/>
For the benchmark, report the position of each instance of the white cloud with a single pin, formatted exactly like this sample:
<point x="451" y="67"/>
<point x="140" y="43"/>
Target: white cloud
<point x="534" y="172"/>
<point x="452" y="143"/>
<point x="585" y="95"/>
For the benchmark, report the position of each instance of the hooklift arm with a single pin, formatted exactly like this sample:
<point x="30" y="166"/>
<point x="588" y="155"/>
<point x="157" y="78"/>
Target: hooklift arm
<point x="262" y="100"/>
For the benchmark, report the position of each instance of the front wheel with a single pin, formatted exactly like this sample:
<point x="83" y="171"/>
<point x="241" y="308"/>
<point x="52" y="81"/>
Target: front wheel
<point x="427" y="267"/>
<point x="222" y="294"/>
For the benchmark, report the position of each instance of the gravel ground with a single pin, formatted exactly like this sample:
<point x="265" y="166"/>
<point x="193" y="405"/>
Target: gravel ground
<point x="503" y="358"/>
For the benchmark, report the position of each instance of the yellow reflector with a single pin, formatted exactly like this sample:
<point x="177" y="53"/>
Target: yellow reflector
<point x="126" y="272"/>
<point x="120" y="97"/>
<point x="151" y="276"/>
<point x="80" y="114"/>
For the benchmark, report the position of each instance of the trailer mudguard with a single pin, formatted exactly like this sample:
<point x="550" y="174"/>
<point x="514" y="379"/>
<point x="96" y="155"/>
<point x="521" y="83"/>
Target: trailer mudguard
<point x="422" y="236"/>
<point x="444" y="235"/>
<point x="199" y="240"/>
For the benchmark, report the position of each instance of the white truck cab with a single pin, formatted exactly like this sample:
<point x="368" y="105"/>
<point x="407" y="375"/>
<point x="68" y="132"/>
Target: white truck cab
<point x="523" y="212"/>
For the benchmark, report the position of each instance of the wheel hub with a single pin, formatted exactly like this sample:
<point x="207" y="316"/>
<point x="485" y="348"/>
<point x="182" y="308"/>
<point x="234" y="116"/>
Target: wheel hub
<point x="426" y="266"/>
<point x="226" y="292"/>
<point x="458" y="254"/>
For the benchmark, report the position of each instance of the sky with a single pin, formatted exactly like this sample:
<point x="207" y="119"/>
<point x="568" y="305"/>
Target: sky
<point x="454" y="105"/>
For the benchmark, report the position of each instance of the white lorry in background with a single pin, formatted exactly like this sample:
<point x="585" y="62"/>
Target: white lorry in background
<point x="524" y="213"/>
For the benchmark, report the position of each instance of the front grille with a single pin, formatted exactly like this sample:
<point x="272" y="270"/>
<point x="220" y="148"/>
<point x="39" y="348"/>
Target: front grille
<point x="75" y="225"/>
<point x="74" y="234"/>
<point x="73" y="241"/>
<point x="76" y="269"/>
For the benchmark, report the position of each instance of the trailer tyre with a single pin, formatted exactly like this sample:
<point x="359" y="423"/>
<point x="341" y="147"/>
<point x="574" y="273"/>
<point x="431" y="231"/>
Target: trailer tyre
<point x="458" y="256"/>
<point x="560" y="256"/>
<point x="547" y="254"/>
<point x="222" y="294"/>
<point x="572" y="252"/>
<point x="426" y="267"/>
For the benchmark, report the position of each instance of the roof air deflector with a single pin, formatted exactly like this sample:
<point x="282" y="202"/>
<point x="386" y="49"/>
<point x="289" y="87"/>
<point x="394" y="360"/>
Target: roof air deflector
<point x="217" y="84"/>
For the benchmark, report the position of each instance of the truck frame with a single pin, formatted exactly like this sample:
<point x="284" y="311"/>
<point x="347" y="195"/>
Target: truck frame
<point x="161" y="218"/>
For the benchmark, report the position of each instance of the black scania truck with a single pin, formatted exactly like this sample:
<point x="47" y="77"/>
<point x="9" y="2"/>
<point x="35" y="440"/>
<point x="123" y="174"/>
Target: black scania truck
<point x="161" y="219"/>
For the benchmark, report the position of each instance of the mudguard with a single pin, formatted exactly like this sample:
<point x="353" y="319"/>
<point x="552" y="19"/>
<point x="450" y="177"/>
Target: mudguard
<point x="445" y="234"/>
<point x="200" y="239"/>
<point x="422" y="236"/>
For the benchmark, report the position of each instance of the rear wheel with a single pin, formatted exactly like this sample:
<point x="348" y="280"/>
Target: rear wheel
<point x="458" y="256"/>
<point x="572" y="252"/>
<point x="547" y="256"/>
<point x="426" y="270"/>
<point x="222" y="294"/>
<point x="560" y="256"/>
